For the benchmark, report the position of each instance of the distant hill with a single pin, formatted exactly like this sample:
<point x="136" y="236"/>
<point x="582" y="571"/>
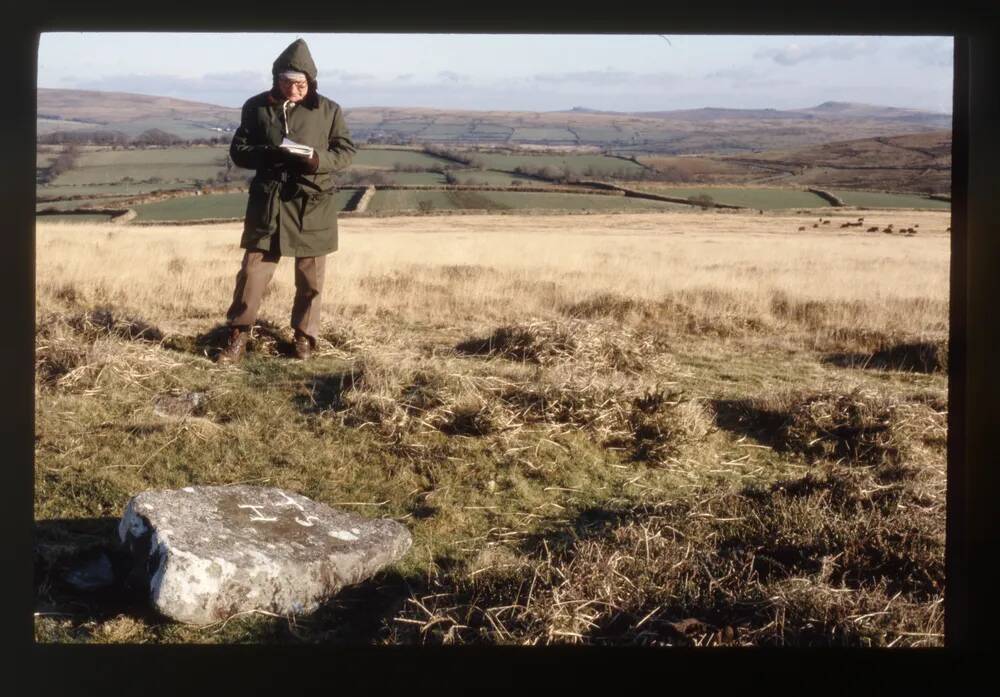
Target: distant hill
<point x="131" y="113"/>
<point x="919" y="162"/>
<point x="687" y="131"/>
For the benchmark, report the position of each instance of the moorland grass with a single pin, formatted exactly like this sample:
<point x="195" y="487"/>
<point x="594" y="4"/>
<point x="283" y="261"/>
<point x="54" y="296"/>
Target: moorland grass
<point x="583" y="455"/>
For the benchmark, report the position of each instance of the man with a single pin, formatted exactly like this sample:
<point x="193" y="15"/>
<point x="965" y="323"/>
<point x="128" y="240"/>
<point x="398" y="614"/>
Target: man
<point x="291" y="209"/>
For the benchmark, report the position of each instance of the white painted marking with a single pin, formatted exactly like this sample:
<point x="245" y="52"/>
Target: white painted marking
<point x="256" y="510"/>
<point x="305" y="523"/>
<point x="343" y="535"/>
<point x="289" y="501"/>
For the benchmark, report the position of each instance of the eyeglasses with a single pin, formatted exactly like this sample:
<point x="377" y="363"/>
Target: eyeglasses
<point x="300" y="84"/>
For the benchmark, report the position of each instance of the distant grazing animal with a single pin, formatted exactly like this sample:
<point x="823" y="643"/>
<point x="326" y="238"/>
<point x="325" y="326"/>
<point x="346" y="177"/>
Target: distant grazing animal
<point x="803" y="228"/>
<point x="826" y="222"/>
<point x="815" y="224"/>
<point x="873" y="229"/>
<point x="888" y="230"/>
<point x="916" y="225"/>
<point x="861" y="220"/>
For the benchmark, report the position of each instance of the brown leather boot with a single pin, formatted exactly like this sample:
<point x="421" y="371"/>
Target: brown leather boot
<point x="236" y="347"/>
<point x="303" y="347"/>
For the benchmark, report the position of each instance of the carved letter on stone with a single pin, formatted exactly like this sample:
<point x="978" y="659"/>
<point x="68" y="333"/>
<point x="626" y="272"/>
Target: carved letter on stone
<point x="256" y="510"/>
<point x="289" y="501"/>
<point x="307" y="522"/>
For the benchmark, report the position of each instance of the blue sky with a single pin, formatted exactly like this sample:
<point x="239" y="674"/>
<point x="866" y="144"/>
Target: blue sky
<point x="518" y="72"/>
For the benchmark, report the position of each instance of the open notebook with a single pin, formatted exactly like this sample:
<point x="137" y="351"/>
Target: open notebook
<point x="297" y="148"/>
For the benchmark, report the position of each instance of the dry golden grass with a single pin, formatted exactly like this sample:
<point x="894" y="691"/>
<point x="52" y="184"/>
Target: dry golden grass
<point x="496" y="269"/>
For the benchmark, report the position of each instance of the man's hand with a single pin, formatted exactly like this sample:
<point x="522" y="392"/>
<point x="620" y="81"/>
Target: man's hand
<point x="301" y="163"/>
<point x="310" y="164"/>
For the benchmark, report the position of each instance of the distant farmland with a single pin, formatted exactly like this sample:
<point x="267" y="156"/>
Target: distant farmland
<point x="876" y="199"/>
<point x="766" y="198"/>
<point x="387" y="158"/>
<point x="577" y="164"/>
<point x="209" y="206"/>
<point x="404" y="200"/>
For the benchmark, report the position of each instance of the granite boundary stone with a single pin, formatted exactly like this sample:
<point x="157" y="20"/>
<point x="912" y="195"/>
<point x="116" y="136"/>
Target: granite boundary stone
<point x="206" y="553"/>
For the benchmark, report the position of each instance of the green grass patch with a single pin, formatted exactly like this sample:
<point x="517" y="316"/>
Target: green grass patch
<point x="168" y="165"/>
<point x="578" y="165"/>
<point x="751" y="198"/>
<point x="489" y="177"/>
<point x="507" y="200"/>
<point x="80" y="203"/>
<point x="209" y="206"/>
<point x="555" y="495"/>
<point x="74" y="218"/>
<point x="874" y="199"/>
<point x="118" y="188"/>
<point x="416" y="178"/>
<point x="387" y="158"/>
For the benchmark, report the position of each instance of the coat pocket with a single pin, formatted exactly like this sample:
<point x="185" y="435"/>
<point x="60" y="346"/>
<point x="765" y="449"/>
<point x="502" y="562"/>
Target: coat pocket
<point x="319" y="211"/>
<point x="262" y="208"/>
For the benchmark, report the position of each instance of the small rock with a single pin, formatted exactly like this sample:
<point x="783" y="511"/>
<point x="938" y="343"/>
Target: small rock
<point x="179" y="404"/>
<point x="205" y="553"/>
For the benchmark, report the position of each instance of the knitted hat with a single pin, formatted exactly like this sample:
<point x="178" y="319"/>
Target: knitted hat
<point x="293" y="75"/>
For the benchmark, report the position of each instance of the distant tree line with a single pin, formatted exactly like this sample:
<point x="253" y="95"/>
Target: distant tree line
<point x="149" y="137"/>
<point x="64" y="162"/>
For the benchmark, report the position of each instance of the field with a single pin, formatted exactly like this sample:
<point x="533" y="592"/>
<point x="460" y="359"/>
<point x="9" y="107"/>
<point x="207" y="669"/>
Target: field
<point x="875" y="199"/>
<point x="766" y="198"/>
<point x="415" y="178"/>
<point x="691" y="428"/>
<point x="379" y="158"/>
<point x="169" y="164"/>
<point x="128" y="172"/>
<point x="489" y="177"/>
<point x="77" y="218"/>
<point x="81" y="203"/>
<point x="209" y="206"/>
<point x="577" y="164"/>
<point x="402" y="200"/>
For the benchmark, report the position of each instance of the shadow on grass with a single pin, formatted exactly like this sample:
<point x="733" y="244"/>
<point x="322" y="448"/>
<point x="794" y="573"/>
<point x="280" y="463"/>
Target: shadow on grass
<point x="266" y="339"/>
<point x="80" y="572"/>
<point x="744" y="418"/>
<point x="325" y="393"/>
<point x="917" y="357"/>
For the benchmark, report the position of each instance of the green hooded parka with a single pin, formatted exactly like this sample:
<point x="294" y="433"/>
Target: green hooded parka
<point x="288" y="211"/>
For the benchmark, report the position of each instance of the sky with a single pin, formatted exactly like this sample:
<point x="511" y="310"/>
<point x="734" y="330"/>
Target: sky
<point x="526" y="72"/>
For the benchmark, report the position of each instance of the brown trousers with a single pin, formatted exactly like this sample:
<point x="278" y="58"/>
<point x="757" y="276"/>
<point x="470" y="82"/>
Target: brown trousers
<point x="252" y="279"/>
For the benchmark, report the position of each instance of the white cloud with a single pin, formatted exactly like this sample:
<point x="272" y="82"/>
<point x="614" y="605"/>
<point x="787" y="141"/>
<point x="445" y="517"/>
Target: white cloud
<point x="795" y="53"/>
